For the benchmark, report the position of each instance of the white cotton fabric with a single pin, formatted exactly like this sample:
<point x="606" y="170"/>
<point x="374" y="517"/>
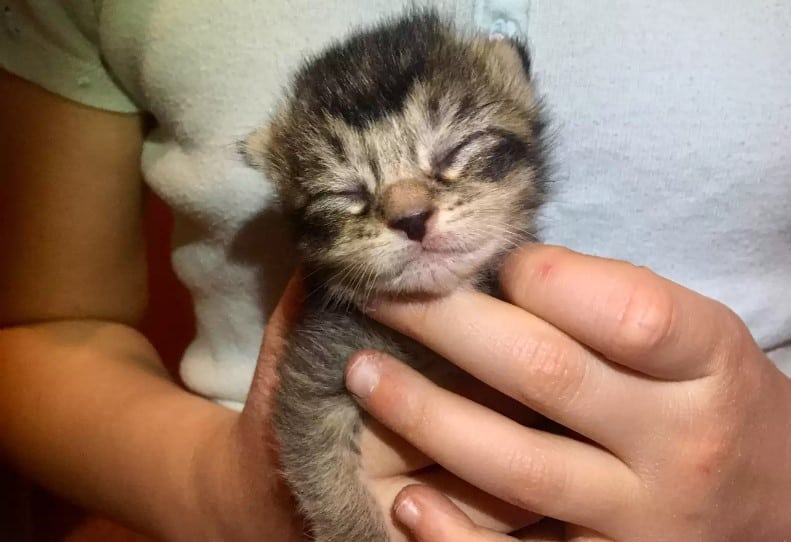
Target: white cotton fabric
<point x="671" y="123"/>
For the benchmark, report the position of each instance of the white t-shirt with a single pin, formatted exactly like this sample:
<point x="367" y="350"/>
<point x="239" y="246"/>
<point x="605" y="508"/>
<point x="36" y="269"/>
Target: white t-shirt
<point x="671" y="121"/>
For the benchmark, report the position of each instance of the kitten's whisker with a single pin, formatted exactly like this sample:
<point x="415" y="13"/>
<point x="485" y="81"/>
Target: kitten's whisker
<point x="372" y="281"/>
<point x="336" y="278"/>
<point x="349" y="282"/>
<point x="512" y="236"/>
<point x="354" y="276"/>
<point x="511" y="229"/>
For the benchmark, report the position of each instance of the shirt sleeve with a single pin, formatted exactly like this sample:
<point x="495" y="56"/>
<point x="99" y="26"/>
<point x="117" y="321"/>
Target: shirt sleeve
<point x="55" y="45"/>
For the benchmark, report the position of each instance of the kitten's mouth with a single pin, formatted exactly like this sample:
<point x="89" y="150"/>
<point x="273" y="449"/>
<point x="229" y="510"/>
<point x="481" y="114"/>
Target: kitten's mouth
<point x="438" y="270"/>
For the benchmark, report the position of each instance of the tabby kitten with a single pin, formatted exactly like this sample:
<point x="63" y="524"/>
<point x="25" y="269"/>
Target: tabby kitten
<point x="410" y="158"/>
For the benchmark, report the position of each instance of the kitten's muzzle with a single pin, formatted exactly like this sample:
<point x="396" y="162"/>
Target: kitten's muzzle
<point x="407" y="206"/>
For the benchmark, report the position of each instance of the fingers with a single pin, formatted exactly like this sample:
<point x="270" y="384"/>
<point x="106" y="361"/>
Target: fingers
<point x="551" y="475"/>
<point x="580" y="534"/>
<point x="627" y="313"/>
<point x="431" y="517"/>
<point x="545" y="531"/>
<point x="483" y="509"/>
<point x="384" y="454"/>
<point x="531" y="361"/>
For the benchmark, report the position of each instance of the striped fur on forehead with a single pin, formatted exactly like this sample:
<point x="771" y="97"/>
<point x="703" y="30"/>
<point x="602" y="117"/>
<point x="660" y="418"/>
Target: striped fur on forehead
<point x="393" y="96"/>
<point x="369" y="76"/>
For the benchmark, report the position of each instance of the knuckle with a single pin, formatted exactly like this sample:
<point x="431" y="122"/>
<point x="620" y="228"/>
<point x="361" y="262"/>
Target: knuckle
<point x="646" y="321"/>
<point x="417" y="416"/>
<point x="525" y="267"/>
<point x="533" y="478"/>
<point x="704" y="460"/>
<point x="549" y="375"/>
<point x="733" y="337"/>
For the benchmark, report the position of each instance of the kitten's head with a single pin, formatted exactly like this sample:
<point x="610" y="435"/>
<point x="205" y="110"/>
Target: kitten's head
<point x="409" y="156"/>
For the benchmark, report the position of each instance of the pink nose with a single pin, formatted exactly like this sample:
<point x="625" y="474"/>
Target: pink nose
<point x="414" y="225"/>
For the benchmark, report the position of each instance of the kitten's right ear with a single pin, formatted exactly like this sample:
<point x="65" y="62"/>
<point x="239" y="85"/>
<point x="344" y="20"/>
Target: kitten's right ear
<point x="266" y="150"/>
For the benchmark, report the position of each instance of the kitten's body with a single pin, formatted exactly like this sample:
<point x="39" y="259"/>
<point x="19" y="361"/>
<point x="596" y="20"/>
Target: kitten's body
<point x="411" y="161"/>
<point x="317" y="423"/>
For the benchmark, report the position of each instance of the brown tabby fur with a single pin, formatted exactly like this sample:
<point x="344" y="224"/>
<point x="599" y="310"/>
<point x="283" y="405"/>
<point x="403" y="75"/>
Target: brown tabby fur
<point x="402" y="121"/>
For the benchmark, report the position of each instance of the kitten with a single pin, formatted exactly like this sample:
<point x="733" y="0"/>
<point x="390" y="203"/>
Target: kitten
<point x="410" y="159"/>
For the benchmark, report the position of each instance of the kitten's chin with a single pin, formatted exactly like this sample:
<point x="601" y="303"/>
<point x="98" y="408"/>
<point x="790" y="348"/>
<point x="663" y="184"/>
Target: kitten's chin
<point x="435" y="274"/>
<point x="420" y="273"/>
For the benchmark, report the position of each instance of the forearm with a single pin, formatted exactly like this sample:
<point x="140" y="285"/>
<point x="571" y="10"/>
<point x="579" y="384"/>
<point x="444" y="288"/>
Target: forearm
<point x="87" y="410"/>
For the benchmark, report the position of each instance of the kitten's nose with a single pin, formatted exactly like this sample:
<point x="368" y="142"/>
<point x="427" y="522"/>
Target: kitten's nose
<point x="413" y="225"/>
<point x="407" y="206"/>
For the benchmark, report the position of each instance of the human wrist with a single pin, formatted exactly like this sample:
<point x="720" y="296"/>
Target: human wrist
<point x="238" y="493"/>
<point x="777" y="519"/>
<point x="213" y="488"/>
<point x="197" y="487"/>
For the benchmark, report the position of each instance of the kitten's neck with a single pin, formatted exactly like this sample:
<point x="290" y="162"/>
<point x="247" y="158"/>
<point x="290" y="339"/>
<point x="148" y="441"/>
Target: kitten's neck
<point x="322" y="293"/>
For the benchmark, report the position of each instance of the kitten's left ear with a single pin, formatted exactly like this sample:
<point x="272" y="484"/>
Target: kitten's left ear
<point x="524" y="55"/>
<point x="512" y="53"/>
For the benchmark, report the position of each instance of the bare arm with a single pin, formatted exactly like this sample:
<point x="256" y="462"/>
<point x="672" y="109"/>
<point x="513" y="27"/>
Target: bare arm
<point x="85" y="405"/>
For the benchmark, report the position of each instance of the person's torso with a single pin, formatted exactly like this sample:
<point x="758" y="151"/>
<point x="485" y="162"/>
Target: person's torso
<point x="670" y="120"/>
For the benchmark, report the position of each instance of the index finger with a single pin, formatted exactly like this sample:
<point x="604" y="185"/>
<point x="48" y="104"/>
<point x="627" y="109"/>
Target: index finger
<point x="626" y="313"/>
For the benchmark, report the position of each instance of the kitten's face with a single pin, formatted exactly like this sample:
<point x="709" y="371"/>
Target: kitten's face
<point x="410" y="174"/>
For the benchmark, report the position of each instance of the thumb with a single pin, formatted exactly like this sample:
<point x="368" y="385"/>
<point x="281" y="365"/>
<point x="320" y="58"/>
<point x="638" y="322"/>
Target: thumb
<point x="260" y="399"/>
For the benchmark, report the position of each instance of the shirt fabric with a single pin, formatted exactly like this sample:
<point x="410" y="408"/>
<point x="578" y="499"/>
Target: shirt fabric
<point x="670" y="122"/>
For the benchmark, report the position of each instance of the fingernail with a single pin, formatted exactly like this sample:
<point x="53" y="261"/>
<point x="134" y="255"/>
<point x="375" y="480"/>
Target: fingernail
<point x="362" y="376"/>
<point x="407" y="513"/>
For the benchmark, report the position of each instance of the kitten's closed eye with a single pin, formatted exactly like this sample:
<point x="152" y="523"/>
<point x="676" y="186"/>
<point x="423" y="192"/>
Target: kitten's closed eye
<point x="449" y="166"/>
<point x="359" y="192"/>
<point x="352" y="200"/>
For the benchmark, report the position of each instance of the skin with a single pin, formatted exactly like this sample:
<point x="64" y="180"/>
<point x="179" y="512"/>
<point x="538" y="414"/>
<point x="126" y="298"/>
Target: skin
<point x="122" y="438"/>
<point x="681" y="424"/>
<point x="680" y="454"/>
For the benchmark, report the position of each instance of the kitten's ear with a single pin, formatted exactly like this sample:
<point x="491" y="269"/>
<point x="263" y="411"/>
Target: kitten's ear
<point x="511" y="54"/>
<point x="510" y="46"/>
<point x="266" y="150"/>
<point x="253" y="149"/>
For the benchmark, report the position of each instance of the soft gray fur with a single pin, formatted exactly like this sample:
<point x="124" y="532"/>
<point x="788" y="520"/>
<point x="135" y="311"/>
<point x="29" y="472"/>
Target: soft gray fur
<point x="410" y="159"/>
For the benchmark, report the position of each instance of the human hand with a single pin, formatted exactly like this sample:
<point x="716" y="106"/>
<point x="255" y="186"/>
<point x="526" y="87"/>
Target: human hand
<point x="683" y="422"/>
<point x="387" y="461"/>
<point x="391" y="464"/>
<point x="244" y="496"/>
